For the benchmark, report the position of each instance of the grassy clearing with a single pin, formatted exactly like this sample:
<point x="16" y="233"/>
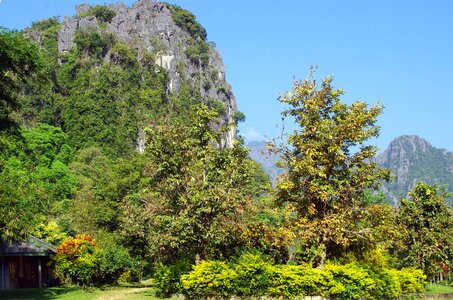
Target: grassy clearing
<point x="78" y="293"/>
<point x="434" y="291"/>
<point x="50" y="293"/>
<point x="439" y="288"/>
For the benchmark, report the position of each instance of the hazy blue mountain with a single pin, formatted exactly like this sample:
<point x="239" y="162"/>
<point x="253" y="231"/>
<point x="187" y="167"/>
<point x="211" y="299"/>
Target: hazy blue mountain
<point x="259" y="153"/>
<point x="409" y="157"/>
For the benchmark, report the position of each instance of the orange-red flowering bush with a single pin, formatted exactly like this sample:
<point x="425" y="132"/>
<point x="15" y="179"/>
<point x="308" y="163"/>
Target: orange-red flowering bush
<point x="77" y="260"/>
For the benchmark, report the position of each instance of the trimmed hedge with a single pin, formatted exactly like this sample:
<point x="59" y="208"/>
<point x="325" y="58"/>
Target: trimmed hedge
<point x="209" y="279"/>
<point x="252" y="275"/>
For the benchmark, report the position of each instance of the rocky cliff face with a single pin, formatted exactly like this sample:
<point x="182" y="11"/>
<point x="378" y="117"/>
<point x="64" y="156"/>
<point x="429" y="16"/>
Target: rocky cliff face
<point x="411" y="159"/>
<point x="150" y="27"/>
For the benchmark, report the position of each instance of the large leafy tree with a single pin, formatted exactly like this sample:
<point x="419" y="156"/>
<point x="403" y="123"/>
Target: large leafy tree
<point x="102" y="184"/>
<point x="329" y="167"/>
<point x="35" y="181"/>
<point x="427" y="223"/>
<point x="19" y="62"/>
<point x="195" y="192"/>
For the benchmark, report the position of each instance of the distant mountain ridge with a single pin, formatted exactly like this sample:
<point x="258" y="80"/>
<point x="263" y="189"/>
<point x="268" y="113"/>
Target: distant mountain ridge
<point x="409" y="157"/>
<point x="258" y="152"/>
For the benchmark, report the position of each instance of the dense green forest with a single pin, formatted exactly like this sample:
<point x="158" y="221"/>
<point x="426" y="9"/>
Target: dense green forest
<point x="200" y="217"/>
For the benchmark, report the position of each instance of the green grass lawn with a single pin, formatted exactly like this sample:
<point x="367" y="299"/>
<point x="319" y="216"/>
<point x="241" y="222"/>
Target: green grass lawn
<point x="439" y="288"/>
<point x="435" y="291"/>
<point x="77" y="293"/>
<point x="50" y="293"/>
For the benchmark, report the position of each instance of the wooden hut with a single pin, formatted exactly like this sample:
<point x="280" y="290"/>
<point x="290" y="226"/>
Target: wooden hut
<point x="25" y="264"/>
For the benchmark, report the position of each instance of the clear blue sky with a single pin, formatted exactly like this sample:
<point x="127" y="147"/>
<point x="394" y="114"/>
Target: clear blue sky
<point x="397" y="52"/>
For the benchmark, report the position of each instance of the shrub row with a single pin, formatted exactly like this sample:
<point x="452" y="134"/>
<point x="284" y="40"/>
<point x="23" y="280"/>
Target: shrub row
<point x="252" y="275"/>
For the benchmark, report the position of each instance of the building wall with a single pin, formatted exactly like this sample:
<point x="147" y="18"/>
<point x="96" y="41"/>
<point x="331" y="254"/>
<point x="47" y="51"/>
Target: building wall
<point x="25" y="272"/>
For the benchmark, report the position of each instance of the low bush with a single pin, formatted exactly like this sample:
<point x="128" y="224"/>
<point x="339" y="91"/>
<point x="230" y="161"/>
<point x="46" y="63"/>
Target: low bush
<point x="252" y="275"/>
<point x="77" y="260"/>
<point x="412" y="280"/>
<point x="187" y="21"/>
<point x="354" y="282"/>
<point x="92" y="43"/>
<point x="116" y="265"/>
<point x="84" y="260"/>
<point x="198" y="53"/>
<point x="387" y="283"/>
<point x="168" y="278"/>
<point x="210" y="279"/>
<point x="292" y="281"/>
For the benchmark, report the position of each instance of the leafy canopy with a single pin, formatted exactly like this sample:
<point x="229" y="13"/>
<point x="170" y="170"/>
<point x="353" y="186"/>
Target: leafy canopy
<point x="195" y="192"/>
<point x="329" y="167"/>
<point x="19" y="62"/>
<point x="34" y="178"/>
<point x="428" y="231"/>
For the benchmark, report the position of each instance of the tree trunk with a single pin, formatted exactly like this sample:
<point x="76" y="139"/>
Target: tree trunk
<point x="322" y="255"/>
<point x="200" y="252"/>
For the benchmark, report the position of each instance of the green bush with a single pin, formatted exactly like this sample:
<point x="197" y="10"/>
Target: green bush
<point x="115" y="264"/>
<point x="123" y="55"/>
<point x="217" y="106"/>
<point x="387" y="283"/>
<point x="90" y="42"/>
<point x="252" y="275"/>
<point x="48" y="30"/>
<point x="239" y="117"/>
<point x="210" y="279"/>
<point x="187" y="21"/>
<point x="412" y="280"/>
<point x="293" y="281"/>
<point x="168" y="278"/>
<point x="102" y="13"/>
<point x="356" y="282"/>
<point x="392" y="283"/>
<point x="198" y="54"/>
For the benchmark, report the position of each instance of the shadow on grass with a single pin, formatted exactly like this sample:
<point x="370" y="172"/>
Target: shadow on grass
<point x="44" y="293"/>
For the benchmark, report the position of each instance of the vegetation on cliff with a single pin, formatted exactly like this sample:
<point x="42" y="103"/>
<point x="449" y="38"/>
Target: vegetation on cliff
<point x="133" y="177"/>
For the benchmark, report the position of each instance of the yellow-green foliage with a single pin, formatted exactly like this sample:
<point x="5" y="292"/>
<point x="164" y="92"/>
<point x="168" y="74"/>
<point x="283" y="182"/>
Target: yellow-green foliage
<point x="291" y="281"/>
<point x="354" y="282"/>
<point x="208" y="279"/>
<point x="252" y="275"/>
<point x="168" y="277"/>
<point x="50" y="232"/>
<point x="412" y="280"/>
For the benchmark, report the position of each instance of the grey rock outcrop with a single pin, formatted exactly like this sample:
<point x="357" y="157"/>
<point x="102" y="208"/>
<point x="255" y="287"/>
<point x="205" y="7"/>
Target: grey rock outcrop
<point x="148" y="27"/>
<point x="411" y="158"/>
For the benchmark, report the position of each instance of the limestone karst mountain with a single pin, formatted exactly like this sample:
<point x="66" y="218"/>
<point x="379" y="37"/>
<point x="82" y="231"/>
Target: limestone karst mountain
<point x="411" y="158"/>
<point x="149" y="59"/>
